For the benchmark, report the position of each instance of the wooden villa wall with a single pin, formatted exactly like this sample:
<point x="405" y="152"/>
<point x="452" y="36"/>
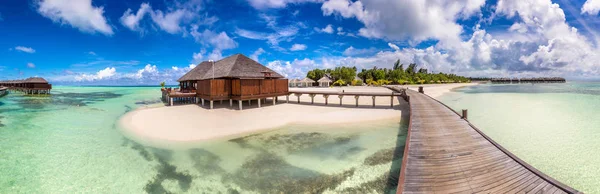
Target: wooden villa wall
<point x="258" y="88"/>
<point x="216" y="89"/>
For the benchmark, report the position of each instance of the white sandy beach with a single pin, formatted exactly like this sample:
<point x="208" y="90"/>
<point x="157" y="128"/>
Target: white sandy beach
<point x="193" y="123"/>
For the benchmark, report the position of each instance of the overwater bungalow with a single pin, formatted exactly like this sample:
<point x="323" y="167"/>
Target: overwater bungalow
<point x="236" y="77"/>
<point x="32" y="85"/>
<point x="325" y="81"/>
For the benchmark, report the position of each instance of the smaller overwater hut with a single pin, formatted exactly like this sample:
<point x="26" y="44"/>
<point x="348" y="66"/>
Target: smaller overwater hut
<point x="325" y="81"/>
<point x="306" y="82"/>
<point x="32" y="85"/>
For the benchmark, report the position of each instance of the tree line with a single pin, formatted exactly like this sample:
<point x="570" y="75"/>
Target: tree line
<point x="383" y="76"/>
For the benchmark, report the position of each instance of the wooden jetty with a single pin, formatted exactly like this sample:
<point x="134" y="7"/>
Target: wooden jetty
<point x="341" y="95"/>
<point x="32" y="85"/>
<point x="444" y="153"/>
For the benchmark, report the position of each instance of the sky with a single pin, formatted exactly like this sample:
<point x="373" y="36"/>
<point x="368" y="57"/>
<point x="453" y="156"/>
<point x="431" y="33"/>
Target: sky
<point x="110" y="42"/>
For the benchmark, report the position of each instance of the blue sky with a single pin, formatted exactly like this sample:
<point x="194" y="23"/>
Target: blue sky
<point x="82" y="42"/>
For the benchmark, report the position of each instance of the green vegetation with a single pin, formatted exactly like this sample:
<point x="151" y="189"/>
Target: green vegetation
<point x="162" y="84"/>
<point x="377" y="76"/>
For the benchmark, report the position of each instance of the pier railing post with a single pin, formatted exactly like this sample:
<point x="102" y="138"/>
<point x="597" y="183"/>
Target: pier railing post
<point x="356" y="97"/>
<point x="230" y="102"/>
<point x="240" y="104"/>
<point x="326" y="98"/>
<point x="465" y="114"/>
<point x="340" y="96"/>
<point x="259" y="102"/>
<point x="274" y="100"/>
<point x="287" y="98"/>
<point x="312" y="98"/>
<point x="373" y="100"/>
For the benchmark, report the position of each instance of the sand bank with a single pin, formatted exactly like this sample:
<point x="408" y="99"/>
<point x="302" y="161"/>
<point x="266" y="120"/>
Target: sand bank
<point x="193" y="123"/>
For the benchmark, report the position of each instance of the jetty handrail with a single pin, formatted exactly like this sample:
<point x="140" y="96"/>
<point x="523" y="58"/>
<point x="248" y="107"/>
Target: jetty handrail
<point x="347" y="93"/>
<point x="532" y="169"/>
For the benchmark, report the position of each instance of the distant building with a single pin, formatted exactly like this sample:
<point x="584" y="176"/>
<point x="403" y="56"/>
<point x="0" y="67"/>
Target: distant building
<point x="325" y="81"/>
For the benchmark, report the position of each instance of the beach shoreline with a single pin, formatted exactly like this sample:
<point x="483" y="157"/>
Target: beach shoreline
<point x="178" y="126"/>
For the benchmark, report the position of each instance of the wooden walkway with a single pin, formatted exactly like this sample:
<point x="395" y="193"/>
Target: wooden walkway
<point x="446" y="154"/>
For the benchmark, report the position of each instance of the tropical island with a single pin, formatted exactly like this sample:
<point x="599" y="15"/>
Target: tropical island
<point x="342" y="76"/>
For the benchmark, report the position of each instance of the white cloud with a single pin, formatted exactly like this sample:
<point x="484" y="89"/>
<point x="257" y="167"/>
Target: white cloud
<point x="401" y="20"/>
<point x="30" y="65"/>
<point x="80" y="14"/>
<point x="328" y="29"/>
<point x="146" y="72"/>
<point x="131" y="20"/>
<point x="591" y="7"/>
<point x="170" y="22"/>
<point x="100" y="75"/>
<point x="197" y="57"/>
<point x="393" y="46"/>
<point x="351" y="51"/>
<point x="220" y="41"/>
<point x="25" y="49"/>
<point x="298" y="47"/>
<point x="257" y="53"/>
<point x="92" y="53"/>
<point x="266" y="4"/>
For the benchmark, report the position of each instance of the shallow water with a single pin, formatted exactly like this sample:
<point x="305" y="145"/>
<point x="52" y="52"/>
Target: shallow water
<point x="69" y="143"/>
<point x="553" y="127"/>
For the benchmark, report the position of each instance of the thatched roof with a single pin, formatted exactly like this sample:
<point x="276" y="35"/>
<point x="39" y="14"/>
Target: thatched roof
<point x="235" y="66"/>
<point x="307" y="80"/>
<point x="36" y="80"/>
<point x="293" y="81"/>
<point x="324" y="79"/>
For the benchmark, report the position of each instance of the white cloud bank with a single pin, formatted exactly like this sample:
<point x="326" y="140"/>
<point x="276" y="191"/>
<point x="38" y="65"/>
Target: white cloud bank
<point x="539" y="43"/>
<point x="591" y="7"/>
<point x="80" y="14"/>
<point x="266" y="4"/>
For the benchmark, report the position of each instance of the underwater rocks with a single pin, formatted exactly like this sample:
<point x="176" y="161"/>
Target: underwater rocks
<point x="167" y="171"/>
<point x="148" y="102"/>
<point x="383" y="184"/>
<point x="269" y="173"/>
<point x="206" y="162"/>
<point x="384" y="156"/>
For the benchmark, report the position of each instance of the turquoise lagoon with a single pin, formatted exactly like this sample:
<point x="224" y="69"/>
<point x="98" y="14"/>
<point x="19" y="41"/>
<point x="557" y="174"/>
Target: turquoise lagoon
<point x="553" y="127"/>
<point x="70" y="143"/>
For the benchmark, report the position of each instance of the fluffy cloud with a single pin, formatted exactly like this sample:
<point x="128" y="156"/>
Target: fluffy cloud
<point x="100" y="75"/>
<point x="171" y="21"/>
<point x="80" y="14"/>
<point x="420" y="20"/>
<point x="351" y="51"/>
<point x="146" y="72"/>
<point x="30" y="65"/>
<point x="265" y="4"/>
<point x="591" y="7"/>
<point x="298" y="47"/>
<point x="328" y="29"/>
<point x="257" y="53"/>
<point x="220" y="41"/>
<point x="295" y="69"/>
<point x="393" y="46"/>
<point x="131" y="20"/>
<point x="25" y="49"/>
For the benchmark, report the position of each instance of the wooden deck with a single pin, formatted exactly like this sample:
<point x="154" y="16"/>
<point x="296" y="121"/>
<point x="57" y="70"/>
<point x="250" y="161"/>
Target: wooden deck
<point x="446" y="154"/>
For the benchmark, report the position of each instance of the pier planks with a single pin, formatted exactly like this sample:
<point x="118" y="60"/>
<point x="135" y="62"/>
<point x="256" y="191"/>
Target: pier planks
<point x="446" y="154"/>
